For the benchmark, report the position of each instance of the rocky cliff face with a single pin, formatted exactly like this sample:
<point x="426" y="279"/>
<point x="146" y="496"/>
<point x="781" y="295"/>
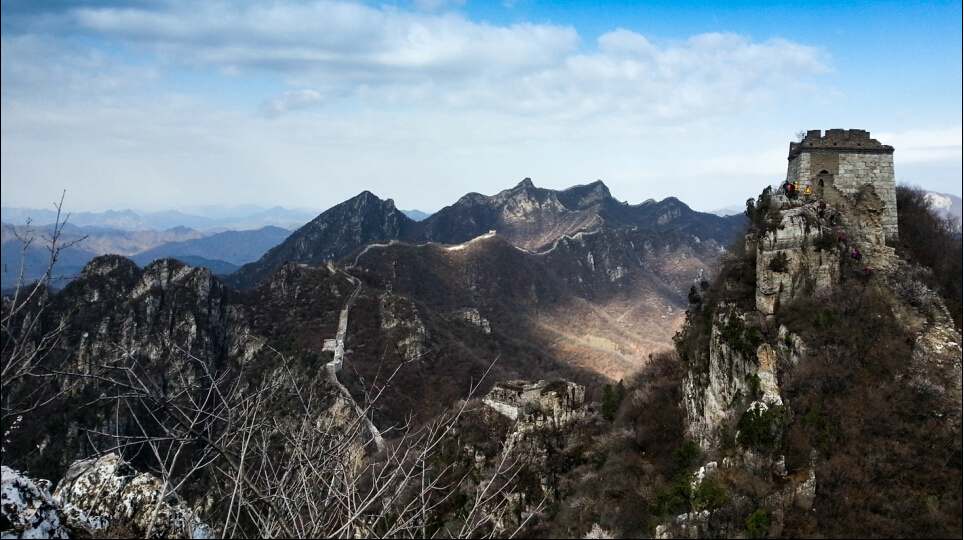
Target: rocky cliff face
<point x="97" y="498"/>
<point x="772" y="382"/>
<point x="106" y="496"/>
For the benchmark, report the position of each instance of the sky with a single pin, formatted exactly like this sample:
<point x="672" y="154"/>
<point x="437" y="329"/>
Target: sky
<point x="172" y="104"/>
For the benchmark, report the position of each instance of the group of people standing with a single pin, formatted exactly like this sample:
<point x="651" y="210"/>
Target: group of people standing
<point x="792" y="190"/>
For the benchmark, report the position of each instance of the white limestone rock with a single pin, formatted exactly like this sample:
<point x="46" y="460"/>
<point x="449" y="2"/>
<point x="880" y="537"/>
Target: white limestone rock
<point x="27" y="509"/>
<point x="107" y="496"/>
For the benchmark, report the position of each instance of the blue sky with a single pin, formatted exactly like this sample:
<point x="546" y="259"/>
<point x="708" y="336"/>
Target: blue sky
<point x="175" y="103"/>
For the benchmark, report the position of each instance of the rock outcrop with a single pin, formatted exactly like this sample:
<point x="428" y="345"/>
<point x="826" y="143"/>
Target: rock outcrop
<point x="741" y="379"/>
<point x="98" y="497"/>
<point x="27" y="510"/>
<point x="106" y="496"/>
<point x="556" y="401"/>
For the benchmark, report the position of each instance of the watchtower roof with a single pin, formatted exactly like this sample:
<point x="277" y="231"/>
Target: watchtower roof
<point x="849" y="141"/>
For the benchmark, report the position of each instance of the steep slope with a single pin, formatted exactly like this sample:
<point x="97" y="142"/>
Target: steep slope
<point x="332" y="235"/>
<point x="527" y="216"/>
<point x="600" y="301"/>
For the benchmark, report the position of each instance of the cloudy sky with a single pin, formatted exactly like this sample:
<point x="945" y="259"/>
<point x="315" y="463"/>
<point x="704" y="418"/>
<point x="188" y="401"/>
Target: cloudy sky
<point x="157" y="104"/>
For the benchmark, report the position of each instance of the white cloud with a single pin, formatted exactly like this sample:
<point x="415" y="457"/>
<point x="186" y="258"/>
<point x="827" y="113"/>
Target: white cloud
<point x="435" y="5"/>
<point x="772" y="163"/>
<point x="385" y="98"/>
<point x="916" y="146"/>
<point x="290" y="101"/>
<point x="393" y="58"/>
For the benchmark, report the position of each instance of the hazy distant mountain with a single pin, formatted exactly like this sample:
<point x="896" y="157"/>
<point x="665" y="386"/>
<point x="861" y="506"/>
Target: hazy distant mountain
<point x="946" y="204"/>
<point x="234" y="247"/>
<point x="416" y="215"/>
<point x="731" y="210"/>
<point x="222" y="253"/>
<point x="33" y="262"/>
<point x="88" y="242"/>
<point x="239" y="218"/>
<point x="125" y="219"/>
<point x="215" y="266"/>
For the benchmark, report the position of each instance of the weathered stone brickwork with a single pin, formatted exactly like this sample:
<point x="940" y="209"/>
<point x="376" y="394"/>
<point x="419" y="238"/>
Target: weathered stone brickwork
<point x="558" y="400"/>
<point x="836" y="165"/>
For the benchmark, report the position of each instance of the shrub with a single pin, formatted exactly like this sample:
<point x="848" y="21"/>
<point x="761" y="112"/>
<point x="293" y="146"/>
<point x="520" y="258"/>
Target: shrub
<point x="779" y="263"/>
<point x="760" y="428"/>
<point x="709" y="495"/>
<point x="753" y="385"/>
<point x="685" y="457"/>
<point x="676" y="499"/>
<point x="825" y="434"/>
<point x="933" y="242"/>
<point x="758" y="523"/>
<point x="694" y="296"/>
<point x="758" y="210"/>
<point x="612" y="399"/>
<point x="741" y="337"/>
<point x="825" y="242"/>
<point x="826" y="318"/>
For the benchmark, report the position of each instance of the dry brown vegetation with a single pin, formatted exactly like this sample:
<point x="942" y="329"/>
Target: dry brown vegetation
<point x="934" y="243"/>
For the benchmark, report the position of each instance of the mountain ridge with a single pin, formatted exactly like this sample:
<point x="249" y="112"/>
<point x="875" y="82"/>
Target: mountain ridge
<point x="528" y="216"/>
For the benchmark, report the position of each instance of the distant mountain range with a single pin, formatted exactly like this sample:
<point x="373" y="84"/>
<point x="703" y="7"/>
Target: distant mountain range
<point x="221" y="240"/>
<point x="233" y="247"/>
<point x="219" y="219"/>
<point x="260" y="240"/>
<point x="527" y="216"/>
<point x="416" y="215"/>
<point x="221" y="252"/>
<point x="597" y="283"/>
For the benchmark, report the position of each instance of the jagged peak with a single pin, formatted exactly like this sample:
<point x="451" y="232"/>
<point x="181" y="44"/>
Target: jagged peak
<point x="582" y="196"/>
<point x="598" y="185"/>
<point x="106" y="264"/>
<point x="525" y="183"/>
<point x="364" y="199"/>
<point x="367" y="197"/>
<point x="668" y="201"/>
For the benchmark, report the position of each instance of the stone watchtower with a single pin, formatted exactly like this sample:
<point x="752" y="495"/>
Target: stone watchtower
<point x="839" y="164"/>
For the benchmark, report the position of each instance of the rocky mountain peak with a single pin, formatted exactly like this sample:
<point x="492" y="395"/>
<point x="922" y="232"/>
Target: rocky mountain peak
<point x="525" y="183"/>
<point x="581" y="197"/>
<point x="366" y="199"/>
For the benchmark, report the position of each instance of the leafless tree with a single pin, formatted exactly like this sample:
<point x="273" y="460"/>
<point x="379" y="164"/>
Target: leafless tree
<point x="22" y="345"/>
<point x="287" y="456"/>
